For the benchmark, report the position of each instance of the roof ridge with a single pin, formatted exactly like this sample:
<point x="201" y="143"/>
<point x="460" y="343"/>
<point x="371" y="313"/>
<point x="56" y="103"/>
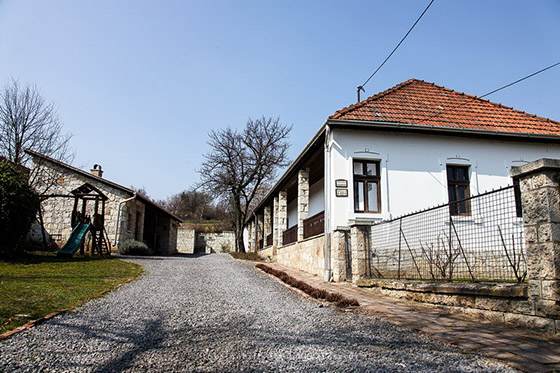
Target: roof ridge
<point x="99" y="179"/>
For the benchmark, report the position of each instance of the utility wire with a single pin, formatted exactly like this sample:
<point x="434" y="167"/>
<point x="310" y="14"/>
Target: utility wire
<point x="361" y="87"/>
<point x="491" y="92"/>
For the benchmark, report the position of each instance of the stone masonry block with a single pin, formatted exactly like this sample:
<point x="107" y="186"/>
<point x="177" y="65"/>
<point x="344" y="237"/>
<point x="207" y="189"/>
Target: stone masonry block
<point x="548" y="232"/>
<point x="541" y="205"/>
<point x="531" y="233"/>
<point x="543" y="261"/>
<point x="551" y="290"/>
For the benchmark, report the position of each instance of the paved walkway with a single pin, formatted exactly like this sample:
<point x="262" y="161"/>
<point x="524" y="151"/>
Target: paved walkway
<point x="522" y="349"/>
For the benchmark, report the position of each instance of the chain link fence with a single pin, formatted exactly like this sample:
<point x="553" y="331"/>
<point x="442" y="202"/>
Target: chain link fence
<point x="485" y="244"/>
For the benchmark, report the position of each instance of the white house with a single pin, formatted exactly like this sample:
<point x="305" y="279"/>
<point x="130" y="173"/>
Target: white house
<point x="410" y="147"/>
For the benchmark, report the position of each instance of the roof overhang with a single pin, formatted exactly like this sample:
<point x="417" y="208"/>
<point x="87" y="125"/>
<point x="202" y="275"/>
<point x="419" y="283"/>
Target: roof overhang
<point x="449" y="131"/>
<point x="293" y="167"/>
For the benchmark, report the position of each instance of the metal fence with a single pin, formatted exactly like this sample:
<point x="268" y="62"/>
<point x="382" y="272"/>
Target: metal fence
<point x="485" y="244"/>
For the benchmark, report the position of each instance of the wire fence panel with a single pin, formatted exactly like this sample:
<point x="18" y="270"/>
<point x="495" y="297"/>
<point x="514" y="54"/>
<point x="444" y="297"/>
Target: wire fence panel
<point x="487" y="244"/>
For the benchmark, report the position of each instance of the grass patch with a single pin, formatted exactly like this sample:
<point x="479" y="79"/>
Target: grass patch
<point x="37" y="284"/>
<point x="247" y="256"/>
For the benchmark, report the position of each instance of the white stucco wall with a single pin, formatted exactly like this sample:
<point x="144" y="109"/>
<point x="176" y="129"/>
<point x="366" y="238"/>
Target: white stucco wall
<point x="413" y="168"/>
<point x="316" y="198"/>
<point x="292" y="213"/>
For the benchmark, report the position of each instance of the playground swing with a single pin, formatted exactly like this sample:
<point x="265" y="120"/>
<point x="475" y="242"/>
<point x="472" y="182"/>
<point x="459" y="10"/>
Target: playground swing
<point x="82" y="223"/>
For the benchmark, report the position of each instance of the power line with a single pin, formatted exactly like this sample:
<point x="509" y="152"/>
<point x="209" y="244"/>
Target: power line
<point x="361" y="87"/>
<point x="492" y="92"/>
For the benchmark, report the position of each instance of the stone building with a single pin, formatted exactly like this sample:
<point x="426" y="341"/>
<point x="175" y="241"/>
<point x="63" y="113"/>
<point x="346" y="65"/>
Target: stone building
<point x="128" y="215"/>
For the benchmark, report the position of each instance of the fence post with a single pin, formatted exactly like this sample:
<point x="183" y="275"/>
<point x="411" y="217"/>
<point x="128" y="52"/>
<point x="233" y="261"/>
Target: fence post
<point x="539" y="183"/>
<point x="359" y="234"/>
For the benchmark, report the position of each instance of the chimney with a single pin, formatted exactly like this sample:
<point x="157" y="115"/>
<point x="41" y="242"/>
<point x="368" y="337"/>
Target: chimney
<point x="97" y="170"/>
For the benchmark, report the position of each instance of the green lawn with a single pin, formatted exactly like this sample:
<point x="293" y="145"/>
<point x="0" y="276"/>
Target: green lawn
<point x="40" y="283"/>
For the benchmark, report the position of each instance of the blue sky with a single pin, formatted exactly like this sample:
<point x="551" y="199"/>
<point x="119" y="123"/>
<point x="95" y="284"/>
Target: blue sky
<point x="140" y="83"/>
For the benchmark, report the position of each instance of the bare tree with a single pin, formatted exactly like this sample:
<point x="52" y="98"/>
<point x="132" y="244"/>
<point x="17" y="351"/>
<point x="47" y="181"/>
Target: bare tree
<point x="240" y="162"/>
<point x="27" y="121"/>
<point x="189" y="205"/>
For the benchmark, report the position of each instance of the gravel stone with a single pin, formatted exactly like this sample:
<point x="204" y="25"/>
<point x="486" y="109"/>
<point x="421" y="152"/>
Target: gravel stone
<point x="213" y="313"/>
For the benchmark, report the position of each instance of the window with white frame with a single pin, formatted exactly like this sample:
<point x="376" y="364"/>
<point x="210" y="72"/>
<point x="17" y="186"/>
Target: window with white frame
<point x="367" y="192"/>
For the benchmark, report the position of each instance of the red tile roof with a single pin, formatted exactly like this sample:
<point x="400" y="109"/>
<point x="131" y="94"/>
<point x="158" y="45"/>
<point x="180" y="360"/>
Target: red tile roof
<point x="421" y="103"/>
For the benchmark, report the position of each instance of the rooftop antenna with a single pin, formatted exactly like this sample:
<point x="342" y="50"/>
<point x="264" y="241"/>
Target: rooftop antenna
<point x="360" y="88"/>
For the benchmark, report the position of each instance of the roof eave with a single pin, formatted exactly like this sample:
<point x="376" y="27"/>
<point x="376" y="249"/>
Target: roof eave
<point x="291" y="168"/>
<point x="443" y="130"/>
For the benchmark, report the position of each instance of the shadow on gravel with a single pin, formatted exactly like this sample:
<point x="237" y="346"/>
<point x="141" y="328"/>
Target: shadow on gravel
<point x="144" y="340"/>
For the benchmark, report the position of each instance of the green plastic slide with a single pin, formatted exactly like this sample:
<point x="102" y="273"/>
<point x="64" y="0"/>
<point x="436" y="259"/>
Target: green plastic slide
<point x="76" y="238"/>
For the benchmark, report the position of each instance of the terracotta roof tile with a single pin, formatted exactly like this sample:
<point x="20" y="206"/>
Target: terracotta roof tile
<point x="421" y="103"/>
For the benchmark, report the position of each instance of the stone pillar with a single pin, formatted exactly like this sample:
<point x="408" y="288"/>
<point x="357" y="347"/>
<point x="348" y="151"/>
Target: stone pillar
<point x="359" y="241"/>
<point x="267" y="224"/>
<point x="275" y="224"/>
<point x="539" y="183"/>
<point x="339" y="258"/>
<point x="282" y="214"/>
<point x="303" y="200"/>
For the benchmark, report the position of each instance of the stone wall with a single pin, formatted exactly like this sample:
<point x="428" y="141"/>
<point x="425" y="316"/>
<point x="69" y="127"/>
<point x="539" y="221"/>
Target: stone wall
<point x="307" y="255"/>
<point x="505" y="303"/>
<point x="185" y="241"/>
<point x="191" y="242"/>
<point x="218" y="242"/>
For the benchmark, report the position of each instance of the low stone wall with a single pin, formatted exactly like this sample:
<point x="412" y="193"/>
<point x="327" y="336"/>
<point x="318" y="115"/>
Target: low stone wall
<point x="266" y="253"/>
<point x="216" y="242"/>
<point x="501" y="302"/>
<point x="190" y="242"/>
<point x="306" y="255"/>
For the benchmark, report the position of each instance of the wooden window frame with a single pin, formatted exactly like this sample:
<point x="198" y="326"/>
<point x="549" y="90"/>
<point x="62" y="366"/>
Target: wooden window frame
<point x="356" y="178"/>
<point x="453" y="185"/>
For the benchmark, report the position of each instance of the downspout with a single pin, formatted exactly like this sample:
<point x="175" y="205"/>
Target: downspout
<point x="327" y="196"/>
<point x="119" y="216"/>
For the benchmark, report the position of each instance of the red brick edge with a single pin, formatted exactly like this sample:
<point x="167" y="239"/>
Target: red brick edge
<point x="60" y="312"/>
<point x="338" y="299"/>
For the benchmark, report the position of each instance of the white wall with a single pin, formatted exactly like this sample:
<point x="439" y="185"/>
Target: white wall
<point x="292" y="213"/>
<point x="413" y="168"/>
<point x="316" y="198"/>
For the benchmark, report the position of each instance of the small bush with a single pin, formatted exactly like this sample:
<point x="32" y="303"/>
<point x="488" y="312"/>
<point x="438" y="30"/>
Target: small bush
<point x="133" y="247"/>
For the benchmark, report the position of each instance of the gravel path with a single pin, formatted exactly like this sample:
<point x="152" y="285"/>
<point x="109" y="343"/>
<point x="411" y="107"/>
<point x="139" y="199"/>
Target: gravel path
<point x="213" y="313"/>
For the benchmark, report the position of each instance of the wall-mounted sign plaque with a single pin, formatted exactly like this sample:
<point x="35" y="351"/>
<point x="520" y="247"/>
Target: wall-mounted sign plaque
<point x="341" y="183"/>
<point x="342" y="192"/>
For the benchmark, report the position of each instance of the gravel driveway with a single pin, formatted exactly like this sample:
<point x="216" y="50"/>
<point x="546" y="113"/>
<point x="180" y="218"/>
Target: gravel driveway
<point x="213" y="313"/>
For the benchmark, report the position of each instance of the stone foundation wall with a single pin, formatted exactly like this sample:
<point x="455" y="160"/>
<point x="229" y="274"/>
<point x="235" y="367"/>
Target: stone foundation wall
<point x="267" y="253"/>
<point x="307" y="255"/>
